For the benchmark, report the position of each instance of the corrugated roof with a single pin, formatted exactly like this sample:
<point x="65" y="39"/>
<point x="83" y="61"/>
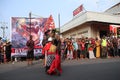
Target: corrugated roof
<point x="112" y="6"/>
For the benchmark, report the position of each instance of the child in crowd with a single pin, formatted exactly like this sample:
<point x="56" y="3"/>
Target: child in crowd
<point x="91" y="53"/>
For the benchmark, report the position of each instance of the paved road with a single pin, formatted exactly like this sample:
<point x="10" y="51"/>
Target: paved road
<point x="96" y="69"/>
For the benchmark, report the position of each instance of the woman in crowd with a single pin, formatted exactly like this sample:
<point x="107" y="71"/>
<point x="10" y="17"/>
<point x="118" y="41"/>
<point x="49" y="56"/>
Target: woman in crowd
<point x="97" y="44"/>
<point x="63" y="48"/>
<point x="82" y="55"/>
<point x="69" y="49"/>
<point x="75" y="45"/>
<point x="91" y="53"/>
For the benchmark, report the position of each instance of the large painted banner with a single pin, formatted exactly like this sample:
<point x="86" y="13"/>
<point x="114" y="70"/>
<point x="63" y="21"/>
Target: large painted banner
<point x="22" y="27"/>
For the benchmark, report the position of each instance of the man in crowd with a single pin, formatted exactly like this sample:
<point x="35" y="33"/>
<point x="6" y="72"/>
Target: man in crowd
<point x="8" y="51"/>
<point x="30" y="52"/>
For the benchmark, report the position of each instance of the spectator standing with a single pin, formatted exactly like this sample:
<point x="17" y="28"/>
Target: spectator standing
<point x="69" y="49"/>
<point x="119" y="47"/>
<point x="86" y="47"/>
<point x="63" y="48"/>
<point x="82" y="55"/>
<point x="79" y="49"/>
<point x="110" y="48"/>
<point x="30" y="52"/>
<point x="8" y="51"/>
<point x="115" y="43"/>
<point x="75" y="45"/>
<point x="104" y="47"/>
<point x="91" y="53"/>
<point x="97" y="44"/>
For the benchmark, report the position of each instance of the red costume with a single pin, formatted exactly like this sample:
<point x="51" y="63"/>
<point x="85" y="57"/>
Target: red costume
<point x="46" y="47"/>
<point x="56" y="65"/>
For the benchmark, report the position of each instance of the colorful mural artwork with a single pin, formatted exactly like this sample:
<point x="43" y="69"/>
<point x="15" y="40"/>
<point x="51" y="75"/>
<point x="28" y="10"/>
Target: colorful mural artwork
<point x="22" y="27"/>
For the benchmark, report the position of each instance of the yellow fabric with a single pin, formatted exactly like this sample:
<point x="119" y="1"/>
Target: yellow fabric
<point x="104" y="42"/>
<point x="52" y="48"/>
<point x="98" y="49"/>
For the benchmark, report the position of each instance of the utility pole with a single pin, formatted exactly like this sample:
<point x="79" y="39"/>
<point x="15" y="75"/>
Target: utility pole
<point x="59" y="22"/>
<point x="3" y="27"/>
<point x="30" y="21"/>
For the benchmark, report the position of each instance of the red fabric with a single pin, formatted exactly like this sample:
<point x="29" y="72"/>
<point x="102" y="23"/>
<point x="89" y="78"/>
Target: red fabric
<point x="50" y="53"/>
<point x="69" y="46"/>
<point x="92" y="41"/>
<point x="113" y="28"/>
<point x="13" y="50"/>
<point x="90" y="49"/>
<point x="37" y="47"/>
<point x="46" y="47"/>
<point x="49" y="24"/>
<point x="56" y="64"/>
<point x="82" y="45"/>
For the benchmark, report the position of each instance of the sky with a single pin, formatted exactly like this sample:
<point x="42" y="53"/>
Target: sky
<point x="45" y="8"/>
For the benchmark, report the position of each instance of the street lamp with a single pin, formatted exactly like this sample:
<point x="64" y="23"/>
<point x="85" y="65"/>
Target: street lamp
<point x="3" y="28"/>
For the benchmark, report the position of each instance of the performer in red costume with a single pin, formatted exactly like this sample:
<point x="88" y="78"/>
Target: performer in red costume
<point x="49" y="51"/>
<point x="55" y="67"/>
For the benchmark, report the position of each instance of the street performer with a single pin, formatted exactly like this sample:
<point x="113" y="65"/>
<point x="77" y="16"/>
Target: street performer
<point x="49" y="51"/>
<point x="55" y="67"/>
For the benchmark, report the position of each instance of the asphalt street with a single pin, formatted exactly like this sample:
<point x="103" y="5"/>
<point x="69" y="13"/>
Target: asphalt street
<point x="83" y="69"/>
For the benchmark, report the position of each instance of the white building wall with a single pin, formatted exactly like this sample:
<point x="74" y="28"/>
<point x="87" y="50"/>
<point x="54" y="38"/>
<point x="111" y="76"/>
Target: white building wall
<point x="80" y="31"/>
<point x="94" y="31"/>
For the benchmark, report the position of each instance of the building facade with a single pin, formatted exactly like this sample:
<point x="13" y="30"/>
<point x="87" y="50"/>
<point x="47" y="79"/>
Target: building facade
<point x="90" y="24"/>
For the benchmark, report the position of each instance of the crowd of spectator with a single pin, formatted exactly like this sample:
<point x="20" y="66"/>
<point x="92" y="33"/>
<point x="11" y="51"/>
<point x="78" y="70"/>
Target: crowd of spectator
<point x="75" y="48"/>
<point x="79" y="48"/>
